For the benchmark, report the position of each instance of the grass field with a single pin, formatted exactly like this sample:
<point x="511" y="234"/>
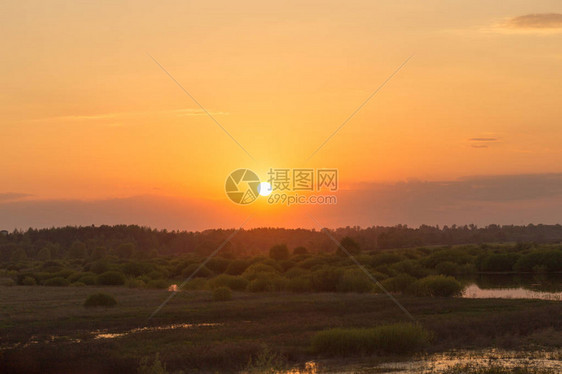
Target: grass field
<point x="47" y="329"/>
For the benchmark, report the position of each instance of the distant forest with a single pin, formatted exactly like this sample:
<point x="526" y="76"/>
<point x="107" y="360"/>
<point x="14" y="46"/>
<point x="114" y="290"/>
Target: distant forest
<point x="142" y="242"/>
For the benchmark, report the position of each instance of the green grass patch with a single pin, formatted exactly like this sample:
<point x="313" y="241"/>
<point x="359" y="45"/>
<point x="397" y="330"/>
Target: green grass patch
<point x="100" y="299"/>
<point x="397" y="338"/>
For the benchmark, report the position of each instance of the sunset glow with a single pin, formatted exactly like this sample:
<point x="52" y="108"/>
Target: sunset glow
<point x="87" y="115"/>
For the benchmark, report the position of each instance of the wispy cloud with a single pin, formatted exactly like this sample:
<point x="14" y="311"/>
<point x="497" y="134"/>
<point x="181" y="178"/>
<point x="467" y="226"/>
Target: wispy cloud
<point x="184" y="112"/>
<point x="196" y="112"/>
<point x="544" y="23"/>
<point x="483" y="139"/>
<point x="536" y="21"/>
<point x="482" y="142"/>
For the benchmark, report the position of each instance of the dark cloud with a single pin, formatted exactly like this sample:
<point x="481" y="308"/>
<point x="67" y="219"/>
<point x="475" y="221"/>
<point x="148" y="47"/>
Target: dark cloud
<point x="501" y="199"/>
<point x="482" y="200"/>
<point x="12" y="196"/>
<point x="537" y="21"/>
<point x="483" y="139"/>
<point x="479" y="146"/>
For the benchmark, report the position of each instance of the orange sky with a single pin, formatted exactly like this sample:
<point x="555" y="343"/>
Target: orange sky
<point x="86" y="114"/>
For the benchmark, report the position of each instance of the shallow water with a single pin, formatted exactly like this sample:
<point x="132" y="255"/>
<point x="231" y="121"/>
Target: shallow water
<point x="439" y="362"/>
<point x="473" y="291"/>
<point x="507" y="286"/>
<point x="106" y="334"/>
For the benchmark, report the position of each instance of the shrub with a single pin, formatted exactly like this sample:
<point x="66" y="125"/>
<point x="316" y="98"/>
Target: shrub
<point x="354" y="280"/>
<point x="237" y="283"/>
<point x="218" y="264"/>
<point x="195" y="284"/>
<point x="551" y="260"/>
<point x="300" y="251"/>
<point x="447" y="268"/>
<point x="136" y="269"/>
<point x="299" y="284"/>
<point x="279" y="252"/>
<point x="399" y="283"/>
<point x="88" y="280"/>
<point x="349" y="245"/>
<point x="56" y="282"/>
<point x="100" y="299"/>
<point x="158" y="283"/>
<point x="222" y="294"/>
<point x="499" y="262"/>
<point x="111" y="278"/>
<point x="156" y="274"/>
<point x="410" y="267"/>
<point x="326" y="279"/>
<point x="204" y="272"/>
<point x="385" y="259"/>
<point x="156" y="367"/>
<point x="397" y="338"/>
<point x="436" y="285"/>
<point x="99" y="267"/>
<point x="28" y="281"/>
<point x="75" y="276"/>
<point x="446" y="254"/>
<point x="237" y="267"/>
<point x="267" y="283"/>
<point x="296" y="272"/>
<point x="135" y="283"/>
<point x="258" y="270"/>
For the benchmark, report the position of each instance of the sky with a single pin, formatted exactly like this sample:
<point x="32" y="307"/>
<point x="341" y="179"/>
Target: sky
<point x="95" y="128"/>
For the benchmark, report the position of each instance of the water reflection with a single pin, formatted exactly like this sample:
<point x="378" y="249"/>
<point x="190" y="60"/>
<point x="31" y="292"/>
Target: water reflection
<point x="539" y="286"/>
<point x="103" y="334"/>
<point x="440" y="362"/>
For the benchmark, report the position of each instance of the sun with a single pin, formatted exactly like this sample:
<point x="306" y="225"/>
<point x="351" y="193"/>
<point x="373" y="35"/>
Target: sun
<point x="264" y="188"/>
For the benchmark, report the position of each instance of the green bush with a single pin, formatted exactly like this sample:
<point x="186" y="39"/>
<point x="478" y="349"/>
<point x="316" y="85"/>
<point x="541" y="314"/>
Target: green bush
<point x="498" y="262"/>
<point x="77" y="284"/>
<point x="135" y="283"/>
<point x="7" y="282"/>
<point x="237" y="267"/>
<point x="399" y="283"/>
<point x="233" y="282"/>
<point x="56" y="282"/>
<point x="99" y="267"/>
<point x="100" y="299"/>
<point x="300" y="251"/>
<point x="28" y="281"/>
<point x="158" y="284"/>
<point x="111" y="278"/>
<point x="385" y="259"/>
<point x="354" y="280"/>
<point x="394" y="339"/>
<point x="222" y="294"/>
<point x="326" y="279"/>
<point x="550" y="260"/>
<point x="296" y="272"/>
<point x="267" y="283"/>
<point x="204" y="272"/>
<point x="279" y="252"/>
<point x="436" y="285"/>
<point x="88" y="280"/>
<point x="218" y="265"/>
<point x="196" y="284"/>
<point x="299" y="284"/>
<point x="259" y="270"/>
<point x="447" y="268"/>
<point x="156" y="367"/>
